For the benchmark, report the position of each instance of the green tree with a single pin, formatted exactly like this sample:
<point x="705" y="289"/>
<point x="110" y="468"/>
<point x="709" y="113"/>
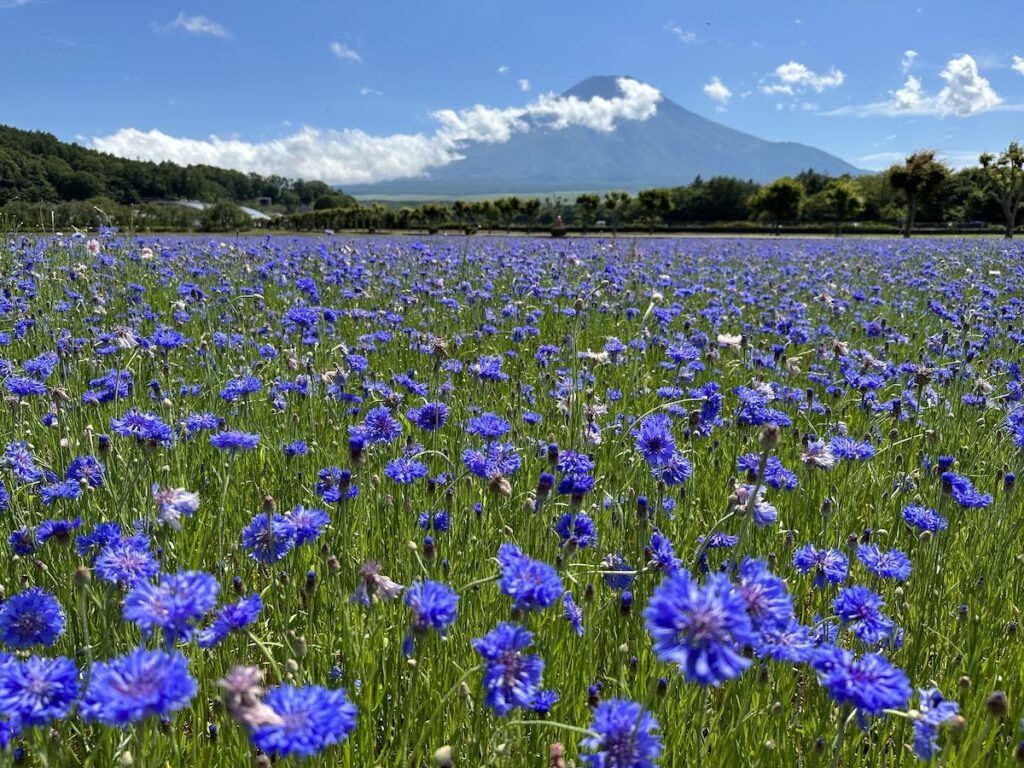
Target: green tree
<point x="919" y="178"/>
<point x="434" y="214"/>
<point x="223" y="217"/>
<point x="616" y="203"/>
<point x="778" y="201"/>
<point x="588" y="205"/>
<point x="653" y="203"/>
<point x="843" y="201"/>
<point x="1004" y="176"/>
<point x="531" y="208"/>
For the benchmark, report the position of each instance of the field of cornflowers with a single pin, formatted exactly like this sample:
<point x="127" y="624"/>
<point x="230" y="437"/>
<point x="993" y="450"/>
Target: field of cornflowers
<point x="527" y="502"/>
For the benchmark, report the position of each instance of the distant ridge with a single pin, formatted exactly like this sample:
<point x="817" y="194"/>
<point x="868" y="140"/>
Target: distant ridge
<point x="668" y="149"/>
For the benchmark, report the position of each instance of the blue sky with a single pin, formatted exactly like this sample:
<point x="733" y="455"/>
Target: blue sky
<point x="352" y="91"/>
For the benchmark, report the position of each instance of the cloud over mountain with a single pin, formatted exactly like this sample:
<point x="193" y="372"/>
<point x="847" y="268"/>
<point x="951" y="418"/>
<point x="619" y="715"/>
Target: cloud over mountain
<point x="354" y="156"/>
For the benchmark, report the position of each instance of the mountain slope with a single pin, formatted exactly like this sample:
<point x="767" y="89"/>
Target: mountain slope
<point x="668" y="149"/>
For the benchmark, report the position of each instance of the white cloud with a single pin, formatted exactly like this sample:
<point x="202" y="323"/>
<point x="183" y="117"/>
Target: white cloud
<point x="793" y="77"/>
<point x="343" y="52"/>
<point x="717" y="91"/>
<point x="365" y="91"/>
<point x="965" y="93"/>
<point x="355" y="157"/>
<point x="879" y="161"/>
<point x="908" y="60"/>
<point x="16" y="3"/>
<point x="199" y="25"/>
<point x="524" y="84"/>
<point x="1018" y="64"/>
<point x="682" y="35"/>
<point x="502" y="69"/>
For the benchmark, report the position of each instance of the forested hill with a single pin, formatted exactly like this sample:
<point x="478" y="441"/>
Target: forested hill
<point x="38" y="167"/>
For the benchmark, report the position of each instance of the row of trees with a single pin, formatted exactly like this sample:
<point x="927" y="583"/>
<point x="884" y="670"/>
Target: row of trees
<point x="922" y="188"/>
<point x="920" y="180"/>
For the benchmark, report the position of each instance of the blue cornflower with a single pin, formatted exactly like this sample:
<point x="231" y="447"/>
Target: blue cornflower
<point x="37" y="691"/>
<point x="532" y="584"/>
<point x="127" y="562"/>
<point x="429" y="416"/>
<point x="924" y="518"/>
<point x="847" y="448"/>
<point x="268" y="539"/>
<point x="625" y="736"/>
<point x="295" y="448"/>
<point x="775" y="475"/>
<point x="861" y="609"/>
<point x="488" y="368"/>
<point x="19" y="458"/>
<point x="829" y="565"/>
<point x="932" y="711"/>
<point x="575" y="463"/>
<point x="57" y="529"/>
<point x="198" y="422"/>
<point x="147" y="428"/>
<point x="489" y="426"/>
<point x="893" y="564"/>
<point x="662" y="554"/>
<point x="231" y="619"/>
<point x="234" y="440"/>
<point x="963" y="491"/>
<point x="335" y="485"/>
<point x="21" y="386"/>
<point x="544" y="701"/>
<point x="512" y="679"/>
<point x="174" y="503"/>
<point x="23" y="541"/>
<point x="573" y="613"/>
<point x="308" y="524"/>
<point x="621" y="576"/>
<point x="790" y="641"/>
<point x="676" y="471"/>
<point x="380" y="426"/>
<point x="142" y="684"/>
<point x="703" y="629"/>
<point x="576" y="486"/>
<point x="86" y="468"/>
<point x="405" y="471"/>
<point x="32" y="617"/>
<point x="768" y="601"/>
<point x="68" y="489"/>
<point x="495" y="461"/>
<point x="173" y="606"/>
<point x="761" y="511"/>
<point x="869" y="683"/>
<point x="654" y="439"/>
<point x="312" y="719"/>
<point x="88" y="545"/>
<point x="237" y="388"/>
<point x="434" y="606"/>
<point x="439" y="521"/>
<point x="577" y="529"/>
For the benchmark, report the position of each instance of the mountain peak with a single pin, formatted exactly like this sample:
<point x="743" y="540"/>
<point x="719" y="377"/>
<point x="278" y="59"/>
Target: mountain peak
<point x="665" y="148"/>
<point x="605" y="86"/>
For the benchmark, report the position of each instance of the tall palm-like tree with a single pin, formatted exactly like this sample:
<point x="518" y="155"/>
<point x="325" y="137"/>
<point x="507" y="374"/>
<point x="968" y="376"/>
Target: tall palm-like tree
<point x="1004" y="176"/>
<point x="919" y="177"/>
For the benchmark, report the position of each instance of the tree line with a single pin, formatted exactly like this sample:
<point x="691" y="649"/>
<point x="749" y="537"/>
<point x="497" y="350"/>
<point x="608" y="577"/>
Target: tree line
<point x="920" y="190"/>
